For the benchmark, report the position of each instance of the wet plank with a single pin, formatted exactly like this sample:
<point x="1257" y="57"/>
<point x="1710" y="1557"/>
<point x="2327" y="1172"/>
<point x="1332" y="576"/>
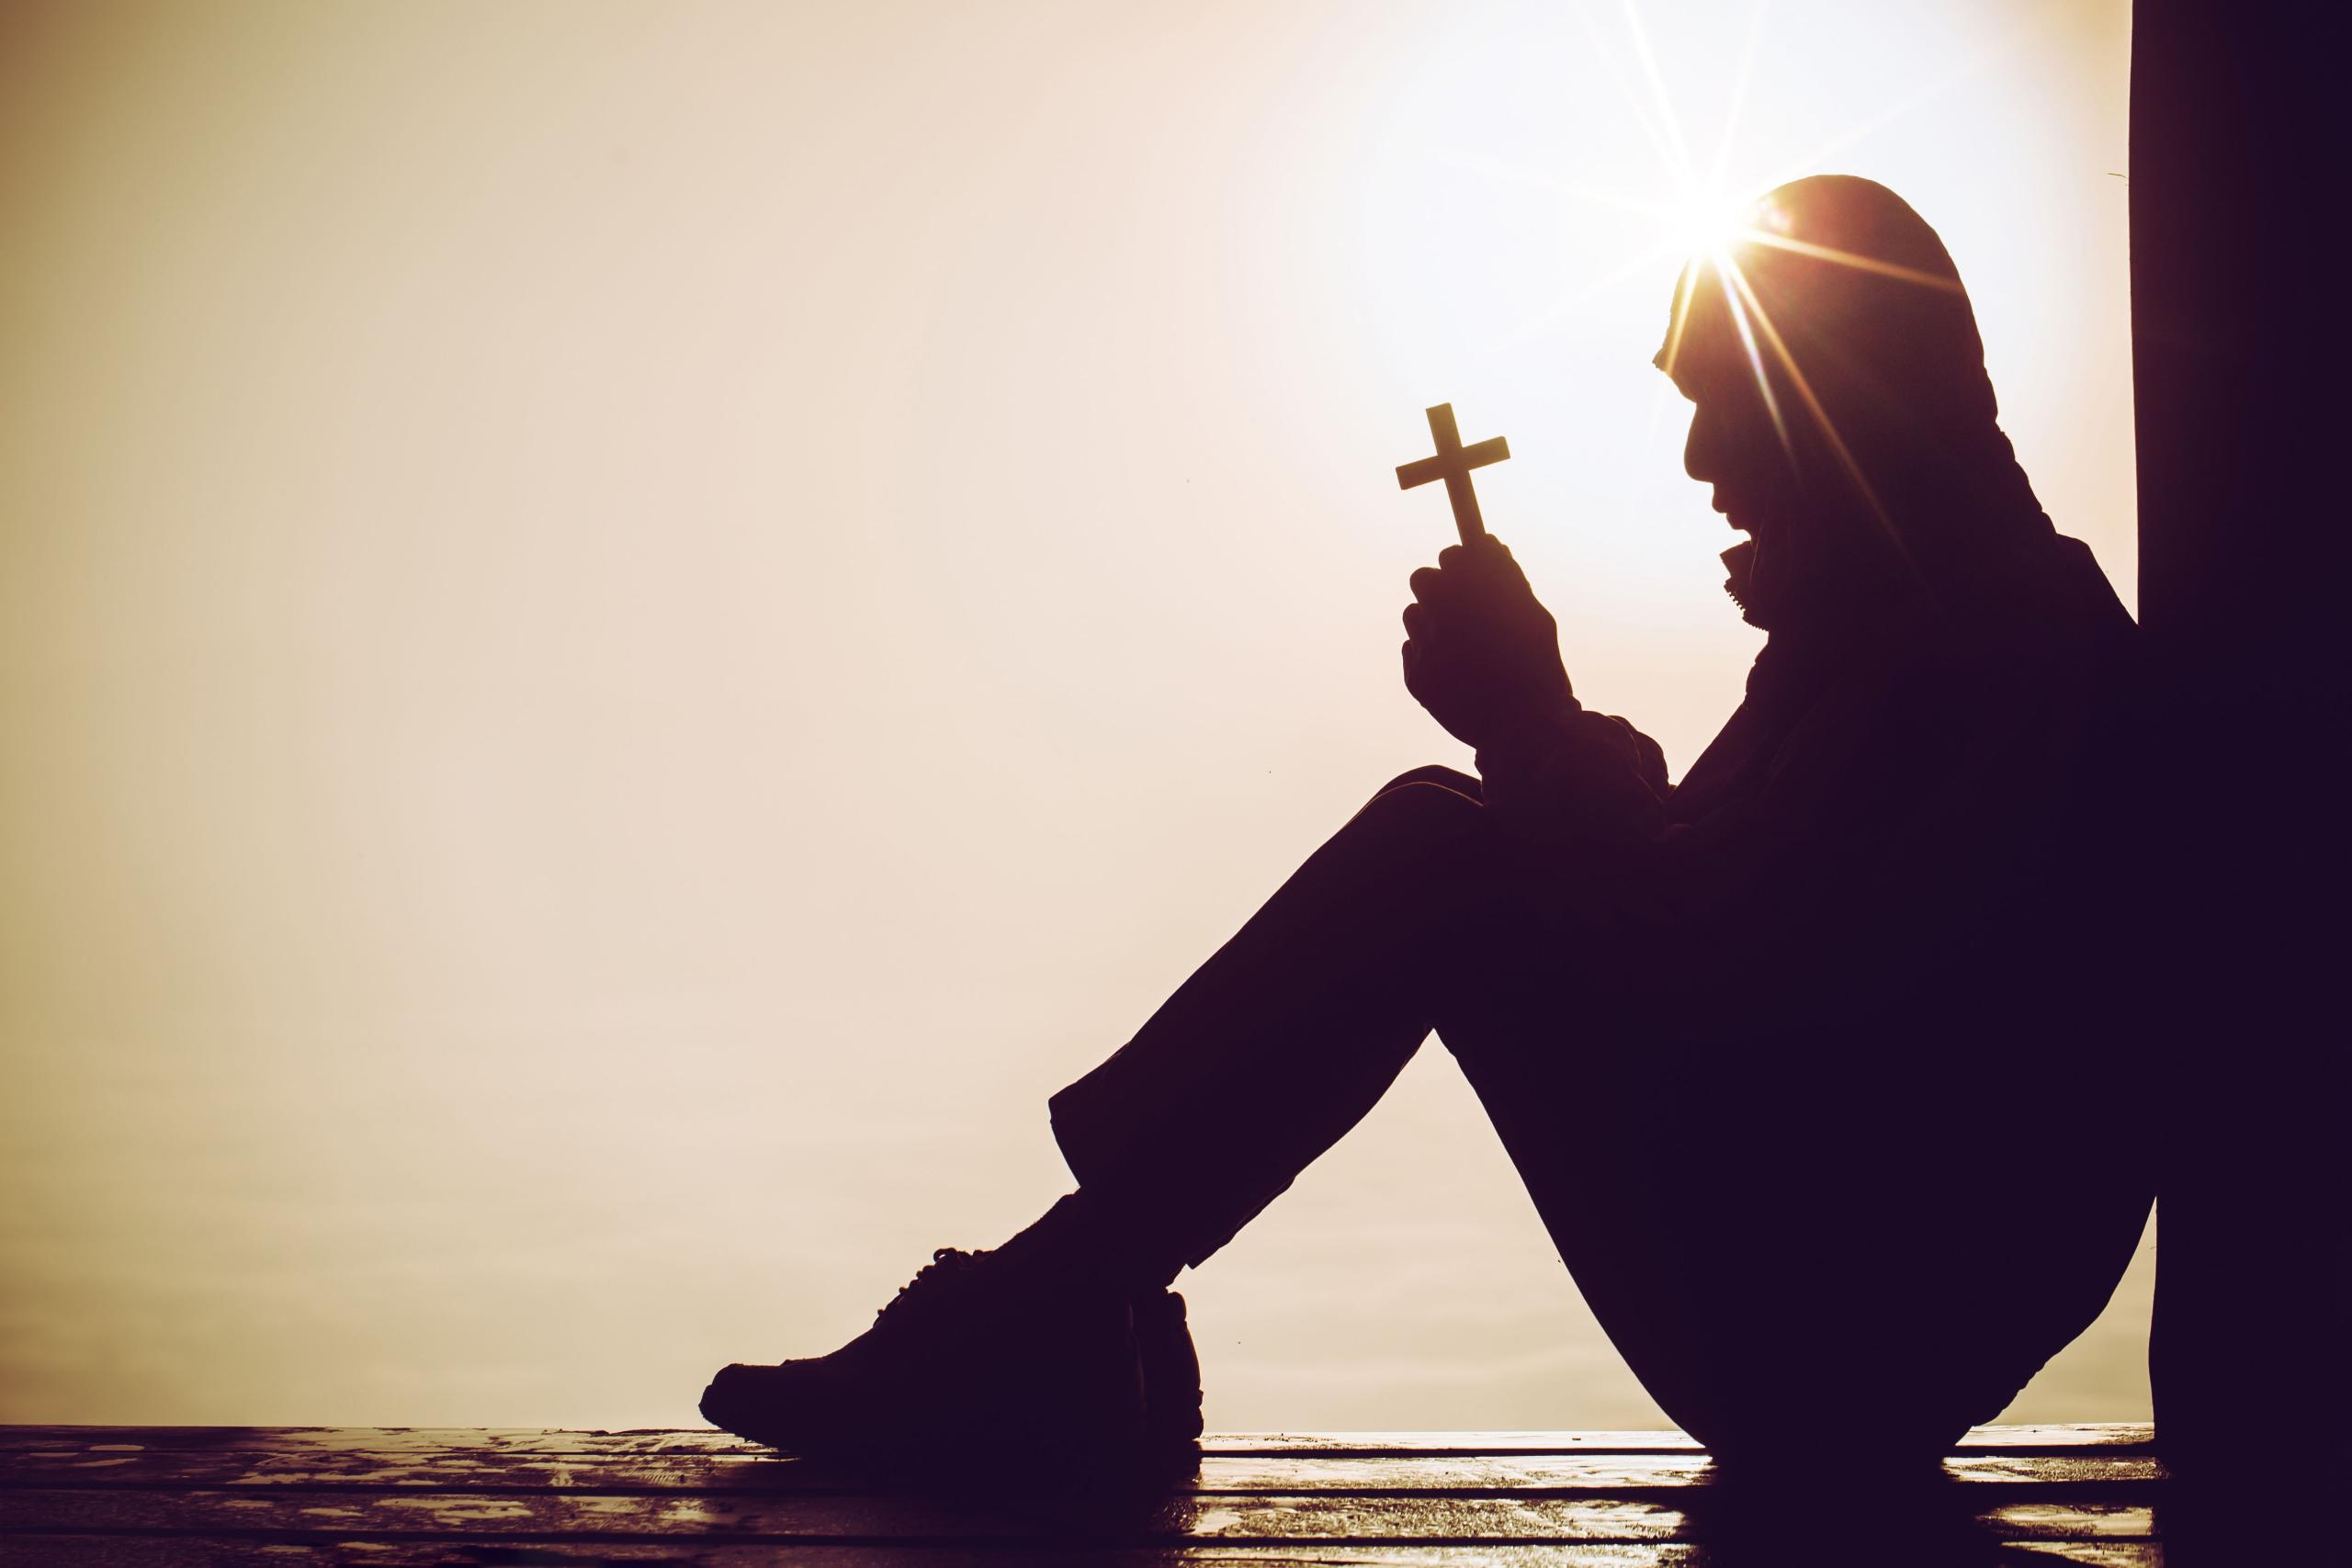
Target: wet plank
<point x="415" y="1439"/>
<point x="130" y="1497"/>
<point x="2008" y="1438"/>
<point x="1216" y="1472"/>
<point x="815" y="1517"/>
<point x="77" y="1552"/>
<point x="74" y="1552"/>
<point x="1039" y="1519"/>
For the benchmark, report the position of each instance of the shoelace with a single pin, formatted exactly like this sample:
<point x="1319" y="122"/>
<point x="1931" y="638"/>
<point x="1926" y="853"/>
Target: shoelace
<point x="945" y="1261"/>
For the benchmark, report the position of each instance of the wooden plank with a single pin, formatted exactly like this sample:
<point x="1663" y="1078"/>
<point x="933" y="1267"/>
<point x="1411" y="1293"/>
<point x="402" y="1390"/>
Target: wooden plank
<point x="2082" y="1469"/>
<point x="430" y="1439"/>
<point x="1663" y="1440"/>
<point x="180" y="1551"/>
<point x="325" y="1516"/>
<point x="1037" y="1519"/>
<point x="373" y="1439"/>
<point x="137" y="1497"/>
<point x="2045" y="1436"/>
<point x="117" y="1552"/>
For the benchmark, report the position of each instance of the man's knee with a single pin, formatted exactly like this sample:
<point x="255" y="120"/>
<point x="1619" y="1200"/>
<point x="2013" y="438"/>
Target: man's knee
<point x="1437" y="777"/>
<point x="1427" y="806"/>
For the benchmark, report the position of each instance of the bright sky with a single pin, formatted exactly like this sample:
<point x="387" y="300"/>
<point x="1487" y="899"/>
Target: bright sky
<point x="625" y="631"/>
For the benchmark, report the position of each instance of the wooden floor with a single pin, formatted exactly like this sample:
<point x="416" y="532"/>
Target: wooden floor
<point x="157" y="1496"/>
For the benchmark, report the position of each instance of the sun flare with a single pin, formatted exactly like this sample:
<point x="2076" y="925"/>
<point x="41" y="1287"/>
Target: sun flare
<point x="1706" y="219"/>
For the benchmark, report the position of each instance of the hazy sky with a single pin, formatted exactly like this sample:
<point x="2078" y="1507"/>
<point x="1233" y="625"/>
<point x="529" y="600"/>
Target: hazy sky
<point x="627" y="630"/>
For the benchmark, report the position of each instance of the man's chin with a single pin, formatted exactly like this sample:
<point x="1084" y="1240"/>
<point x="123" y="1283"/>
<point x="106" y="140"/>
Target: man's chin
<point x="1739" y="579"/>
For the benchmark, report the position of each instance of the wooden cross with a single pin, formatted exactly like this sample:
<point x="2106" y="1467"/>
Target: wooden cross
<point x="1453" y="464"/>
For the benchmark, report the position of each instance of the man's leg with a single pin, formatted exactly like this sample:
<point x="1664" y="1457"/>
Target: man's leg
<point x="1289" y="1033"/>
<point x="1741" y="1224"/>
<point x="1411" y="916"/>
<point x="1261" y="1061"/>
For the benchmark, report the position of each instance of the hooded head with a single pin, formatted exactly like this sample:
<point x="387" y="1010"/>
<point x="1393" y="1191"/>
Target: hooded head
<point x="1843" y="415"/>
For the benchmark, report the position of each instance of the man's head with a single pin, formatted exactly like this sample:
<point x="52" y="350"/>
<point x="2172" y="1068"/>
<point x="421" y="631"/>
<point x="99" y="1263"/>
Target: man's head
<point x="1838" y="386"/>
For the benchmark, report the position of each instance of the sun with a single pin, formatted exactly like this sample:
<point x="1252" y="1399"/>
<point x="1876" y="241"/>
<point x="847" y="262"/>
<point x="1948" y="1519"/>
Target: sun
<point x="1704" y="220"/>
<point x="1716" y="227"/>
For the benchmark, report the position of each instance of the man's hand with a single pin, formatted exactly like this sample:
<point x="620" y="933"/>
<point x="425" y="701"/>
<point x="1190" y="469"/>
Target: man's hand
<point x="1480" y="653"/>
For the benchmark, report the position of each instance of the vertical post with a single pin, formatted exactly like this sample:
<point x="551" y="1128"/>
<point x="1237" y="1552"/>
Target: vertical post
<point x="2246" y="514"/>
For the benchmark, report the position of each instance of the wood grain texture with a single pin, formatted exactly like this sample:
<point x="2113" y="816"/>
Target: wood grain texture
<point x="71" y="1552"/>
<point x="137" y="1497"/>
<point x="528" y="1440"/>
<point x="1596" y="1472"/>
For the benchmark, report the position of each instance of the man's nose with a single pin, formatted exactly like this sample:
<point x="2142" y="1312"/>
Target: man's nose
<point x="1698" y="450"/>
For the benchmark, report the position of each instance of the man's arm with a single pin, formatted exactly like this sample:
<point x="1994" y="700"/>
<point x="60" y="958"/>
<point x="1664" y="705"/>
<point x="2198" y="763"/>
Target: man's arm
<point x="1480" y="652"/>
<point x="1483" y="655"/>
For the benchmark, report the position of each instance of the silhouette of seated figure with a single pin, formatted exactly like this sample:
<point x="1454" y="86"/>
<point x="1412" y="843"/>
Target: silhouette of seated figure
<point x="1808" y="1061"/>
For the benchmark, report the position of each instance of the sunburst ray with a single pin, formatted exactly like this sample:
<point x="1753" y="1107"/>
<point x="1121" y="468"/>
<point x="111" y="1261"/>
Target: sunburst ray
<point x="1845" y="258"/>
<point x="1748" y="48"/>
<point x="1752" y="309"/>
<point x="1647" y="59"/>
<point x="1736" y="297"/>
<point x="1641" y="109"/>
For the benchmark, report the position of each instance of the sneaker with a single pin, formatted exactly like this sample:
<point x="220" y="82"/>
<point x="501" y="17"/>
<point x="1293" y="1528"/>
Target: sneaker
<point x="973" y="1355"/>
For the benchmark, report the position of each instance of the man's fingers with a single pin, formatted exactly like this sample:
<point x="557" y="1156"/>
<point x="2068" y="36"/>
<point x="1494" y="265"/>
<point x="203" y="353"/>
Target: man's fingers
<point x="1417" y="619"/>
<point x="1483" y="564"/>
<point x="1492" y="557"/>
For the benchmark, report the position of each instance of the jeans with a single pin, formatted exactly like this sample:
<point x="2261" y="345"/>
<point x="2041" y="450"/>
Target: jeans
<point x="1751" y="1220"/>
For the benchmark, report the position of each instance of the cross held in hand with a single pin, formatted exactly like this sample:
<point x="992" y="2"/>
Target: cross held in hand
<point x="1453" y="464"/>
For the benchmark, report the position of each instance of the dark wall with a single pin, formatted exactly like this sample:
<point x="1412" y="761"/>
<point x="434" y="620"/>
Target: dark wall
<point x="2239" y="288"/>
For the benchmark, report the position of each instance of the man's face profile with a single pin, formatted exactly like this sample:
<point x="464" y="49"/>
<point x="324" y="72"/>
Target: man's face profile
<point x="1732" y="447"/>
<point x="1736" y="449"/>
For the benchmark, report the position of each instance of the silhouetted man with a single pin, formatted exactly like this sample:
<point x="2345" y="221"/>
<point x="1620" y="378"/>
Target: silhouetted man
<point x="1806" y="1060"/>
